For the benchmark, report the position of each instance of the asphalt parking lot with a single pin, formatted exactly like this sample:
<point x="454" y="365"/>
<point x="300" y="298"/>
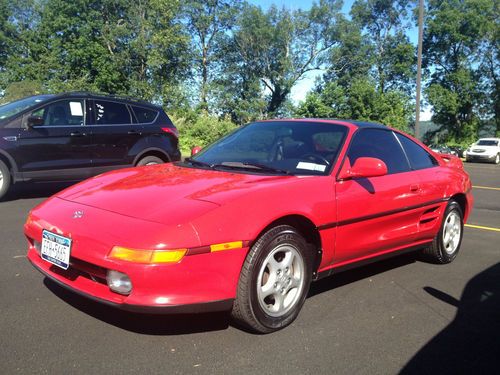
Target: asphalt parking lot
<point x="397" y="316"/>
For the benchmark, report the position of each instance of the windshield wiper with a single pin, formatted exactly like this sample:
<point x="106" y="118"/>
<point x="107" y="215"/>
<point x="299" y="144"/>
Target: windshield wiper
<point x="250" y="166"/>
<point x="198" y="163"/>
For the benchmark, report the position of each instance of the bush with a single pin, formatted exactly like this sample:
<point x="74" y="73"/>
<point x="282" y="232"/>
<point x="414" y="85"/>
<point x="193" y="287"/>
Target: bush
<point x="200" y="129"/>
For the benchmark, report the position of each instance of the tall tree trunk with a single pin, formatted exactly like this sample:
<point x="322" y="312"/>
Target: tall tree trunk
<point x="204" y="78"/>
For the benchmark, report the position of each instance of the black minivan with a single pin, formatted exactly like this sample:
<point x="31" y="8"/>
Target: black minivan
<point x="73" y="136"/>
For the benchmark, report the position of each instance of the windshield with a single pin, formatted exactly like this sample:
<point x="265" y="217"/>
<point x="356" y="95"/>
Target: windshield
<point x="279" y="147"/>
<point x="13" y="108"/>
<point x="486" y="142"/>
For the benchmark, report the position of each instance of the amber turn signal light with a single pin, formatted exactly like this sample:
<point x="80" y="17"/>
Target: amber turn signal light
<point x="146" y="256"/>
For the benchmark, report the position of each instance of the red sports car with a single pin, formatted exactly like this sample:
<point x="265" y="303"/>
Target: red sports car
<point x="250" y="221"/>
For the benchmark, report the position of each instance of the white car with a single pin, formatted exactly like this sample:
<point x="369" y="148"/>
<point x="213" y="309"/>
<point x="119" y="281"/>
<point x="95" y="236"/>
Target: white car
<point x="486" y="149"/>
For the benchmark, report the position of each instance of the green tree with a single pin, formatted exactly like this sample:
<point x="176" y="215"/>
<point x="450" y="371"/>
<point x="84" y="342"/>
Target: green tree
<point x="207" y="20"/>
<point x="392" y="54"/>
<point x="351" y="57"/>
<point x="280" y="46"/>
<point x="359" y="101"/>
<point x="455" y="32"/>
<point x="19" y="20"/>
<point x="114" y="46"/>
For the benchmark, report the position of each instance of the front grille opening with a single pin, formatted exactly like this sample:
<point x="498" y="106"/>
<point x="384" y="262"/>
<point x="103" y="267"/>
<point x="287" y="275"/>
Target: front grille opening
<point x="80" y="268"/>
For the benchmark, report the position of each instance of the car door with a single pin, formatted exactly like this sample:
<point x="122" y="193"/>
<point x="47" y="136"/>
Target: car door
<point x="376" y="214"/>
<point x="433" y="186"/>
<point x="55" y="147"/>
<point x="113" y="134"/>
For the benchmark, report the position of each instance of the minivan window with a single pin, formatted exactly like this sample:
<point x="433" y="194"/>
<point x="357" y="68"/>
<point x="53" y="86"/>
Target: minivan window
<point x="144" y="115"/>
<point x="62" y="112"/>
<point x="111" y="113"/>
<point x="13" y="108"/>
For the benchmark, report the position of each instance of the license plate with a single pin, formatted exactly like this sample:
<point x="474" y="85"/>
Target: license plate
<point x="56" y="249"/>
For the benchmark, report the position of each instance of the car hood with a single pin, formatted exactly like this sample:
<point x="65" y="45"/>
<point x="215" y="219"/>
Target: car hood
<point x="166" y="193"/>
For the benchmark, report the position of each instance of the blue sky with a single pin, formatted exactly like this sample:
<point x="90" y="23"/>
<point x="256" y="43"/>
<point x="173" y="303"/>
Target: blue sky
<point x="301" y="89"/>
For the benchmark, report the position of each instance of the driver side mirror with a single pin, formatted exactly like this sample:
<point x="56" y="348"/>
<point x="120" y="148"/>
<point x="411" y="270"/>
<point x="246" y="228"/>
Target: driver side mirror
<point x="195" y="150"/>
<point x="363" y="168"/>
<point x="34" y="121"/>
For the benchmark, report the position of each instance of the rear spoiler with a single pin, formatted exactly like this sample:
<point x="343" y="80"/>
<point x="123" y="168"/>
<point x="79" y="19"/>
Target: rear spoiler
<point x="451" y="161"/>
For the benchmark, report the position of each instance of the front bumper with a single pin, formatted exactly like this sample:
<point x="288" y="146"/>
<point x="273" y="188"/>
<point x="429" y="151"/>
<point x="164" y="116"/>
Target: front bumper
<point x="212" y="306"/>
<point x="153" y="292"/>
<point x="481" y="157"/>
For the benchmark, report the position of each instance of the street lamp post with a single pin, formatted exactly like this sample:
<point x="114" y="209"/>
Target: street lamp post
<point x="419" y="65"/>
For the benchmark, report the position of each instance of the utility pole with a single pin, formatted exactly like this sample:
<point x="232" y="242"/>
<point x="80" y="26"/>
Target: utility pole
<point x="419" y="65"/>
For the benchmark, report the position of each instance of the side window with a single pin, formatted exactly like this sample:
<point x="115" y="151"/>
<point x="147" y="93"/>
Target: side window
<point x="380" y="144"/>
<point x="62" y="112"/>
<point x="111" y="113"/>
<point x="419" y="158"/>
<point x="144" y="115"/>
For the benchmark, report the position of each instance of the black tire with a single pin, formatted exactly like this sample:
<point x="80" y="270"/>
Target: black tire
<point x="149" y="160"/>
<point x="445" y="247"/>
<point x="281" y="261"/>
<point x="5" y="179"/>
<point x="497" y="159"/>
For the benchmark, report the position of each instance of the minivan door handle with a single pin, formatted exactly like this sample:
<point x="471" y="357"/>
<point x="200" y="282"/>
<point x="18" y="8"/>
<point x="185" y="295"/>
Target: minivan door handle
<point x="133" y="132"/>
<point x="78" y="134"/>
<point x="414" y="188"/>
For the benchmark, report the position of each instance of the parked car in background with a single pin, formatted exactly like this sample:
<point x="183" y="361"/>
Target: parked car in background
<point x="458" y="151"/>
<point x="442" y="149"/>
<point x="485" y="149"/>
<point x="247" y="223"/>
<point x="73" y="136"/>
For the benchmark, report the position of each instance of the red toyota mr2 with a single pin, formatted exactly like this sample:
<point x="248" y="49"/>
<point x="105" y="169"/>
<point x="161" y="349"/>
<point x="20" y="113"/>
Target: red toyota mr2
<point x="249" y="222"/>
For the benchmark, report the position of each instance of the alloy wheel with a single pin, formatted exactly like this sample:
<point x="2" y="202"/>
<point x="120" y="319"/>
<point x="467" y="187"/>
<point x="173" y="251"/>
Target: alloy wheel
<point x="280" y="280"/>
<point x="452" y="232"/>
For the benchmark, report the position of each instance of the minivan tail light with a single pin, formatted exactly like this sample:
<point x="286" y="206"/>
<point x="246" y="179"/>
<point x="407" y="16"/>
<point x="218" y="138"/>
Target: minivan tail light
<point x="172" y="131"/>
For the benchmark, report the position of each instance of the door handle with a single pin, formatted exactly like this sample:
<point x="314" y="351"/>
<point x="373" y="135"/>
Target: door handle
<point x="133" y="132"/>
<point x="414" y="188"/>
<point x="78" y="134"/>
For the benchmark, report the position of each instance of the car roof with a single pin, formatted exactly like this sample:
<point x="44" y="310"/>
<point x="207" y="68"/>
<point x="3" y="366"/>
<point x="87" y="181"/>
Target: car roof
<point x="91" y="95"/>
<point x="489" y="139"/>
<point x="355" y="123"/>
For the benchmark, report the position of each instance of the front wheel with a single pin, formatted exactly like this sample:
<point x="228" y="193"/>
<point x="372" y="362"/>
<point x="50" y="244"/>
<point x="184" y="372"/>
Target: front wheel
<point x="5" y="179"/>
<point x="497" y="159"/>
<point x="274" y="281"/>
<point x="445" y="247"/>
<point x="149" y="160"/>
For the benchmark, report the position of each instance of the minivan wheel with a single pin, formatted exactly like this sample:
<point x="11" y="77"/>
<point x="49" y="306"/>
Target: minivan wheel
<point x="497" y="159"/>
<point x="5" y="179"/>
<point x="149" y="160"/>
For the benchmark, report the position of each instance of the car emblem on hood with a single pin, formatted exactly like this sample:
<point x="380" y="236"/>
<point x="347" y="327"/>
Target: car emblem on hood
<point x="77" y="214"/>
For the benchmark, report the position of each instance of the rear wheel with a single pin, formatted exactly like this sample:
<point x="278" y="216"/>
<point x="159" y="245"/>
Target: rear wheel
<point x="274" y="281"/>
<point x="149" y="160"/>
<point x="5" y="179"/>
<point x="445" y="247"/>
